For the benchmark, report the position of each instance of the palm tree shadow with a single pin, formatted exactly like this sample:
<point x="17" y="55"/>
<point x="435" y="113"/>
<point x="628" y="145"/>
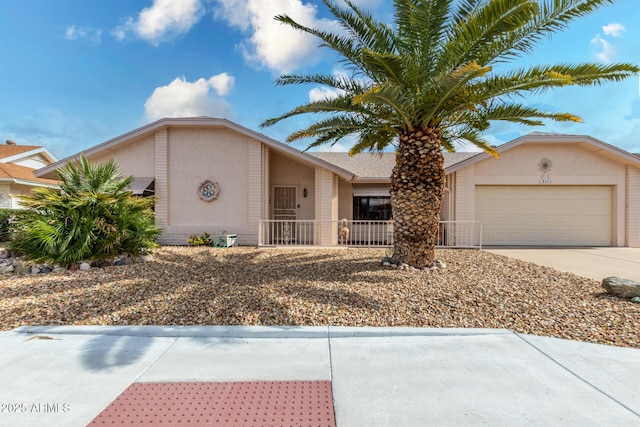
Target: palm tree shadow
<point x="108" y="352"/>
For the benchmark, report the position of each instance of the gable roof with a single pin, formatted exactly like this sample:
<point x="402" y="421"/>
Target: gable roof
<point x="196" y="122"/>
<point x="592" y="144"/>
<point x="379" y="166"/>
<point x="10" y="152"/>
<point x="22" y="175"/>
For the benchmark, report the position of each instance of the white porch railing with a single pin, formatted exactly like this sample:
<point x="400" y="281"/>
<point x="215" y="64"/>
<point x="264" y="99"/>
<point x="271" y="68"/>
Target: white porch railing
<point x="451" y="234"/>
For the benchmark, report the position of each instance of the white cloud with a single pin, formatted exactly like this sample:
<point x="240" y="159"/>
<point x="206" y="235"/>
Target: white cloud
<point x="75" y="32"/>
<point x="222" y="83"/>
<point x="269" y="43"/>
<point x="164" y="20"/>
<point x="465" y="146"/>
<point x="606" y="52"/>
<point x="323" y="93"/>
<point x="614" y="29"/>
<point x="181" y="98"/>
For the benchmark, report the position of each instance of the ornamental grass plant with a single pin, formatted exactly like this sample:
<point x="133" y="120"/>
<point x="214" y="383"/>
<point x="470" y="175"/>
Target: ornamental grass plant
<point x="91" y="216"/>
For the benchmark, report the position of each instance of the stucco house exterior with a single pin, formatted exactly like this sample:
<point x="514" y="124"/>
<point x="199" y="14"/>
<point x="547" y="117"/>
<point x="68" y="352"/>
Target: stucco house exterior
<point x="213" y="175"/>
<point x="17" y="164"/>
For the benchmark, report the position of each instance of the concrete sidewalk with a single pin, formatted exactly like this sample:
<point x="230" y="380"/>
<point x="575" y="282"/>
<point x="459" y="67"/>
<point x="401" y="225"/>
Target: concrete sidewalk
<point x="379" y="376"/>
<point x="594" y="263"/>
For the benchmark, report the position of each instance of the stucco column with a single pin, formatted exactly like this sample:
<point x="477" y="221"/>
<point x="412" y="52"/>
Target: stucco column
<point x="326" y="207"/>
<point x="255" y="185"/>
<point x="162" y="178"/>
<point x="633" y="207"/>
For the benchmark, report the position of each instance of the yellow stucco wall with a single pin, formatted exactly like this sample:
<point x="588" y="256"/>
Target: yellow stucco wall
<point x="572" y="164"/>
<point x="286" y="171"/>
<point x="5" y="198"/>
<point x="197" y="155"/>
<point x="345" y="199"/>
<point x="134" y="158"/>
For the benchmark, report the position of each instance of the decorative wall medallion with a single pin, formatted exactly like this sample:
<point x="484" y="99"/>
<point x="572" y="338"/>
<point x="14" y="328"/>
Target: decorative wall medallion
<point x="209" y="190"/>
<point x="544" y="165"/>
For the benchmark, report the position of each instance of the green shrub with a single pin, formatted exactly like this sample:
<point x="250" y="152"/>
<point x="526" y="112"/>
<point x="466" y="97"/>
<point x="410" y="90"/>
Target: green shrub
<point x="9" y="222"/>
<point x="92" y="216"/>
<point x="203" y="240"/>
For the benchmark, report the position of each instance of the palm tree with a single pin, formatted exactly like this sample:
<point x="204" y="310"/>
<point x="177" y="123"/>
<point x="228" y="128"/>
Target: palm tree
<point x="429" y="81"/>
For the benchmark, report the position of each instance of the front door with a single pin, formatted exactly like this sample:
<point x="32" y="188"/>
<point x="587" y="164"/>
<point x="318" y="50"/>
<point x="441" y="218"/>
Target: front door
<point x="284" y="213"/>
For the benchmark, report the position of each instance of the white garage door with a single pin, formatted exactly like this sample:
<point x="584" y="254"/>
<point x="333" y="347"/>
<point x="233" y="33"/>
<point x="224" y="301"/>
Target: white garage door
<point x="541" y="215"/>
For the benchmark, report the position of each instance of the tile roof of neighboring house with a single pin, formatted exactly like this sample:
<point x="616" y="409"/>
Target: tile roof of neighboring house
<point x="12" y="150"/>
<point x="10" y="171"/>
<point x="378" y="165"/>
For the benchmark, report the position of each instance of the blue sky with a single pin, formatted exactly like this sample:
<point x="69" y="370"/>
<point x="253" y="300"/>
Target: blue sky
<point x="76" y="73"/>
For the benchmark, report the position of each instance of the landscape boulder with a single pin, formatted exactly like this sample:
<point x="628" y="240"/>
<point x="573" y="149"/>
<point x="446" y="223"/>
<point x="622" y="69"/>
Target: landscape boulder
<point x="623" y="288"/>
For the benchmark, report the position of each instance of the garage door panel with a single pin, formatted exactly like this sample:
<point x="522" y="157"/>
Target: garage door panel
<point x="545" y="215"/>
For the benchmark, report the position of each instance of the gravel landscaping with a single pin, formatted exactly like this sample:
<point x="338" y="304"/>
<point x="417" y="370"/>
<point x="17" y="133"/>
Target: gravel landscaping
<point x="250" y="286"/>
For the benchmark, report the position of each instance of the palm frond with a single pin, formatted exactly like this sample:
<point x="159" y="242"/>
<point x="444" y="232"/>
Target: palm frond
<point x="435" y="68"/>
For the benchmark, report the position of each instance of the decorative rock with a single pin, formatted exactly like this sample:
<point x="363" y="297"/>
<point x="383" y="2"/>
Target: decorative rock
<point x="20" y="268"/>
<point x="45" y="270"/>
<point x="440" y="264"/>
<point x="35" y="270"/>
<point x="4" y="254"/>
<point x="119" y="262"/>
<point x="84" y="266"/>
<point x="127" y="260"/>
<point x="59" y="270"/>
<point x="623" y="288"/>
<point x="635" y="299"/>
<point x="386" y="264"/>
<point x="100" y="263"/>
<point x="9" y="269"/>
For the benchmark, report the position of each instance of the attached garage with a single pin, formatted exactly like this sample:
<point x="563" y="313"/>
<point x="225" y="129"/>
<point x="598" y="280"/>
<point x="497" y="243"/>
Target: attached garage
<point x="545" y="215"/>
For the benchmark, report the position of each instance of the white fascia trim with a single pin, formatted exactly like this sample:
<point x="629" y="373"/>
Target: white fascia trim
<point x="41" y="150"/>
<point x="197" y="121"/>
<point x="552" y="138"/>
<point x="33" y="183"/>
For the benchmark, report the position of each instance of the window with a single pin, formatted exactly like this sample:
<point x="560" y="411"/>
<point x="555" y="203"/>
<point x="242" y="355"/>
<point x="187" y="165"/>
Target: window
<point x="375" y="208"/>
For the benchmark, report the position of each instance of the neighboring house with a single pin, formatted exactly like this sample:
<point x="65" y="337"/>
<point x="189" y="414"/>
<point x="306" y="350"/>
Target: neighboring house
<point x="213" y="175"/>
<point x="17" y="163"/>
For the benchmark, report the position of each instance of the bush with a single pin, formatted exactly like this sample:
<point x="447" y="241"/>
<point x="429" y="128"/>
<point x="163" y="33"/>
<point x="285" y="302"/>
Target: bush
<point x="92" y="216"/>
<point x="203" y="240"/>
<point x="9" y="222"/>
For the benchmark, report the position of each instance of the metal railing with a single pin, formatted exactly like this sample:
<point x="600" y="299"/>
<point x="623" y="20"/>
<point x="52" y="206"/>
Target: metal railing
<point x="356" y="233"/>
<point x="459" y="234"/>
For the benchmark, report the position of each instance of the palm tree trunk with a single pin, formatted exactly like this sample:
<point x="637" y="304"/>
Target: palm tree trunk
<point x="417" y="188"/>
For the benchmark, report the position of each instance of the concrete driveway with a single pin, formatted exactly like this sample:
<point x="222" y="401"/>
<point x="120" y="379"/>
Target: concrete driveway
<point x="594" y="263"/>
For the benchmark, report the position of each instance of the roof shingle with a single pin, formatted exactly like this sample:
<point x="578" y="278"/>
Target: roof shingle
<point x="11" y="171"/>
<point x="12" y="150"/>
